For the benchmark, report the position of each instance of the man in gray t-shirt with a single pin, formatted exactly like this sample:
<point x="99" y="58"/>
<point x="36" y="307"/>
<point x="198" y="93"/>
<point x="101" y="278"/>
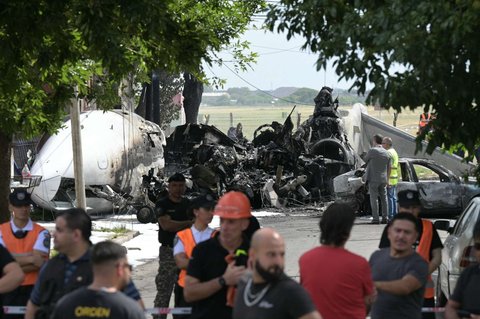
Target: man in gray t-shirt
<point x="399" y="273"/>
<point x="378" y="166"/>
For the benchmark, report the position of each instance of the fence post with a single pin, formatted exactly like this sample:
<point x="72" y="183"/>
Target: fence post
<point x="299" y="119"/>
<point x="231" y="119"/>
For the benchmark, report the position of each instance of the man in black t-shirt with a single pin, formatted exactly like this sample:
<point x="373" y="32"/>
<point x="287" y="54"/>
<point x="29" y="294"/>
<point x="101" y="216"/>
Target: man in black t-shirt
<point x="267" y="292"/>
<point x="428" y="244"/>
<point x="172" y="217"/>
<point x="102" y="298"/>
<point x="217" y="264"/>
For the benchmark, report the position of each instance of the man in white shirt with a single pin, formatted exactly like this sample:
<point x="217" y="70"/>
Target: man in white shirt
<point x="187" y="239"/>
<point x="27" y="242"/>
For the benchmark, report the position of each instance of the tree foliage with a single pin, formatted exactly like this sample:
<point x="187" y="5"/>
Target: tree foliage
<point x="414" y="53"/>
<point x="50" y="48"/>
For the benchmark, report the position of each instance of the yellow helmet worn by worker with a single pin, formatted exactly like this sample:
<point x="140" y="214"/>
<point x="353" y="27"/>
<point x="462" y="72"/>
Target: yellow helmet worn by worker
<point x="233" y="205"/>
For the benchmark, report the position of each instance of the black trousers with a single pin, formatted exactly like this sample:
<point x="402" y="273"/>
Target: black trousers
<point x="17" y="297"/>
<point x="180" y="301"/>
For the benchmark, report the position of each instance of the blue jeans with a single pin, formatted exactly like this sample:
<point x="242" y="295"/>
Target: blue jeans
<point x="392" y="201"/>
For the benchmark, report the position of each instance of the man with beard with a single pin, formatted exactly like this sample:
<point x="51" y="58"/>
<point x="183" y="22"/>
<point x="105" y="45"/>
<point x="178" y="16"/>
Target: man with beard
<point x="428" y="244"/>
<point x="102" y="298"/>
<point x="399" y="273"/>
<point x="267" y="292"/>
<point x="217" y="264"/>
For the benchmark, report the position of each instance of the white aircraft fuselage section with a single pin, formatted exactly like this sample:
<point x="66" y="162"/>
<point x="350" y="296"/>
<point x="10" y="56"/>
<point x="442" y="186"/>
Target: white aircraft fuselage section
<point x="118" y="149"/>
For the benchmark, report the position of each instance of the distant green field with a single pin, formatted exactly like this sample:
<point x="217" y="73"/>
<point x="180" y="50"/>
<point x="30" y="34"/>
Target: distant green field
<point x="252" y="117"/>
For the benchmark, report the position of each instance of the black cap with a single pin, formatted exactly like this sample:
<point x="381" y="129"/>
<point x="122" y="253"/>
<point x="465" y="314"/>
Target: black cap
<point x="20" y="197"/>
<point x="204" y="201"/>
<point x="409" y="198"/>
<point x="177" y="177"/>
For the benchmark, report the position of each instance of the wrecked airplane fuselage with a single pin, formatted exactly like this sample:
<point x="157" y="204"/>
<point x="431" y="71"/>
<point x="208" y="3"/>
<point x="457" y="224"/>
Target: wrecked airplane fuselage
<point x="119" y="148"/>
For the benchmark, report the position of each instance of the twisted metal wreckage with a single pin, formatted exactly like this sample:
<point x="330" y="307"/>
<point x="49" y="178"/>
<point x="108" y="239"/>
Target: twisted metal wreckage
<point x="279" y="167"/>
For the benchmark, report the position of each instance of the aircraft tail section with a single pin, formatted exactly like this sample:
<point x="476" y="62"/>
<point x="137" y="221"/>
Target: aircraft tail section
<point x="364" y="126"/>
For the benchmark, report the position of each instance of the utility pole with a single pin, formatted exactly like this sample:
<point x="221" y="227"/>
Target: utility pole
<point x="77" y="152"/>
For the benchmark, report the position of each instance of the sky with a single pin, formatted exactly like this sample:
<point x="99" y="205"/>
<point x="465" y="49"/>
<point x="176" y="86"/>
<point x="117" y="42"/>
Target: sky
<point x="280" y="63"/>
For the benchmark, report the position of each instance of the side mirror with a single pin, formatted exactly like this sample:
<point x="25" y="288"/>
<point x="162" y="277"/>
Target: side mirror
<point x="442" y="225"/>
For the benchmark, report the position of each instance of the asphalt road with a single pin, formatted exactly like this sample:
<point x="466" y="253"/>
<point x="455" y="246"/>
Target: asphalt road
<point x="301" y="232"/>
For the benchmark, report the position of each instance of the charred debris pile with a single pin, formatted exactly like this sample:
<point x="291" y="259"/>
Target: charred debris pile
<point x="280" y="167"/>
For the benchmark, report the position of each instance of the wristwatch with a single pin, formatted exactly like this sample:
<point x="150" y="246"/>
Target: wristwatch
<point x="222" y="281"/>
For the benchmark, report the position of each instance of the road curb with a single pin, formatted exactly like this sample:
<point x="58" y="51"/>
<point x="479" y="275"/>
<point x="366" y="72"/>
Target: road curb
<point x="125" y="237"/>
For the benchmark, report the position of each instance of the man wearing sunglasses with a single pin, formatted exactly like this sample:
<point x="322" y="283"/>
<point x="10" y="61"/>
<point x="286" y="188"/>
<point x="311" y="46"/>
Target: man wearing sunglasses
<point x="102" y="298"/>
<point x="465" y="300"/>
<point x="27" y="242"/>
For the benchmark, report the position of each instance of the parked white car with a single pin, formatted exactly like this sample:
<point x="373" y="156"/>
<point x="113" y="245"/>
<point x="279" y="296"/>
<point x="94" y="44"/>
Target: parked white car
<point x="458" y="251"/>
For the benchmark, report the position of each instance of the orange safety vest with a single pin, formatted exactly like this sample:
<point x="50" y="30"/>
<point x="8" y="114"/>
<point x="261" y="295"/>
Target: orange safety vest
<point x="423" y="250"/>
<point x="424" y="119"/>
<point x="188" y="241"/>
<point x="22" y="247"/>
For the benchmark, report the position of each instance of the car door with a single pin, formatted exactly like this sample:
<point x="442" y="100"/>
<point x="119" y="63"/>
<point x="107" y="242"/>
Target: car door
<point x="457" y="252"/>
<point x="440" y="191"/>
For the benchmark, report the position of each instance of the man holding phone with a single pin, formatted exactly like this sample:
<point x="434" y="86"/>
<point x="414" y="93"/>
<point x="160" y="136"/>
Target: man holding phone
<point x="217" y="264"/>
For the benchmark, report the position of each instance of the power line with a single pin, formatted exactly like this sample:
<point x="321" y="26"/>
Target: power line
<point x="264" y="92"/>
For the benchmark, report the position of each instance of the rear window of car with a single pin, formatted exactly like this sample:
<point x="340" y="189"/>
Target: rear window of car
<point x="469" y="216"/>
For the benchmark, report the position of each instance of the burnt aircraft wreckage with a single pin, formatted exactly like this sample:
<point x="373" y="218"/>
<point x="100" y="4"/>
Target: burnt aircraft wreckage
<point x="279" y="167"/>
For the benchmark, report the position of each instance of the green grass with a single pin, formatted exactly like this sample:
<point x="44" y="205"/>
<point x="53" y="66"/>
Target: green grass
<point x="118" y="230"/>
<point x="252" y="117"/>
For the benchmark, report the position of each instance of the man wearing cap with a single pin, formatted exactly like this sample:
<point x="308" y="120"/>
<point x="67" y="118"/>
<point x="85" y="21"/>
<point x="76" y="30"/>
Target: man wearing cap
<point x="172" y="217"/>
<point x="187" y="239"/>
<point x="29" y="244"/>
<point x="428" y="245"/>
<point x="218" y="263"/>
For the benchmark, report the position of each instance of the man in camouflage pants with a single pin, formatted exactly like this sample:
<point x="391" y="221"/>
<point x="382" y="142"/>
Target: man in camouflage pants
<point x="172" y="217"/>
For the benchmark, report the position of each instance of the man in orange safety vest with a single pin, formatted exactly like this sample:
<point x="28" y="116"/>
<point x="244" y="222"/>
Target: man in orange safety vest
<point x="27" y="242"/>
<point x="185" y="240"/>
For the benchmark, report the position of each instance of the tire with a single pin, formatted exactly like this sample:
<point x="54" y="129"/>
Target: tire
<point x="145" y="214"/>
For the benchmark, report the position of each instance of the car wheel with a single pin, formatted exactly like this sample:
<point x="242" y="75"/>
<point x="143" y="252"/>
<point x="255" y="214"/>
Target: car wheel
<point x="145" y="215"/>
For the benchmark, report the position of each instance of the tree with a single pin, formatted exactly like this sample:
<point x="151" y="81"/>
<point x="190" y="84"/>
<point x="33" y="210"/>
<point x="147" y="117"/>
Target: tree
<point x="49" y="48"/>
<point x="414" y="53"/>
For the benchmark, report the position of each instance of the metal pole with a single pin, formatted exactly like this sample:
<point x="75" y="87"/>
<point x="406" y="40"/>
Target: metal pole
<point x="77" y="152"/>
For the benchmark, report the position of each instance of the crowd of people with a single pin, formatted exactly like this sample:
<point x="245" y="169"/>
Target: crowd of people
<point x="236" y="271"/>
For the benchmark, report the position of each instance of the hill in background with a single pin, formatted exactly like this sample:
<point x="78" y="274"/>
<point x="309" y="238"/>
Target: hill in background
<point x="281" y="96"/>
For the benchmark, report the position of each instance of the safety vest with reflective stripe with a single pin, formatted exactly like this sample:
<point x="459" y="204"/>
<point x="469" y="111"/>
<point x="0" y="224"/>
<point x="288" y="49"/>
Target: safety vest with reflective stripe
<point x="424" y="119"/>
<point x="22" y="246"/>
<point x="394" y="167"/>
<point x="423" y="250"/>
<point x="188" y="241"/>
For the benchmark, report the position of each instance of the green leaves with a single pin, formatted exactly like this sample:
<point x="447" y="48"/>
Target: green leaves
<point x="414" y="53"/>
<point x="47" y="48"/>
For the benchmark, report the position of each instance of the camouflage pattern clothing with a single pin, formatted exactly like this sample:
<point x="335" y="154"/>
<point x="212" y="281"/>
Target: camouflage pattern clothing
<point x="165" y="279"/>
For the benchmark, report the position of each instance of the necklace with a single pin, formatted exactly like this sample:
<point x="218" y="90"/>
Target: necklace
<point x="250" y="298"/>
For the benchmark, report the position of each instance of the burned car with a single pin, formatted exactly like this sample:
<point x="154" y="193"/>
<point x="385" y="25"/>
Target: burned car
<point x="441" y="191"/>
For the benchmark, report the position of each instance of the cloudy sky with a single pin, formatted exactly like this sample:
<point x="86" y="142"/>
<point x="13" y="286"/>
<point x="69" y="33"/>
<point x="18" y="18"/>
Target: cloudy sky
<point x="280" y="63"/>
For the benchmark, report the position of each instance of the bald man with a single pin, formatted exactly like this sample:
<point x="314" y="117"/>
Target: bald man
<point x="267" y="292"/>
